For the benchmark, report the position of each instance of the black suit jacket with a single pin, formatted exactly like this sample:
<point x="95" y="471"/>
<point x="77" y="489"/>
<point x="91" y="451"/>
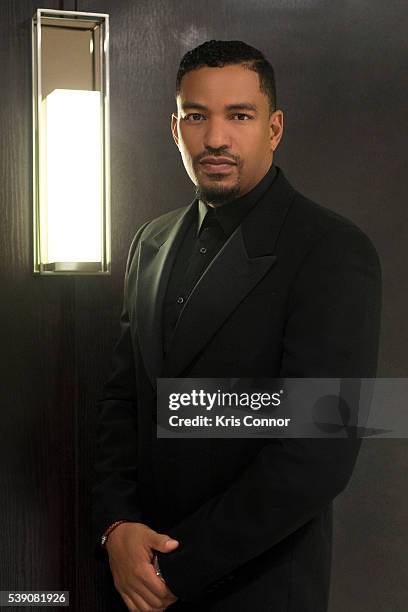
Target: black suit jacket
<point x="294" y="292"/>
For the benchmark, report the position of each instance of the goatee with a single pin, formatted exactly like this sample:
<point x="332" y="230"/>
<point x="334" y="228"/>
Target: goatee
<point x="217" y="196"/>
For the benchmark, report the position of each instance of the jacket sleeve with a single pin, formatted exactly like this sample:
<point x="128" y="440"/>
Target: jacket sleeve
<point x="332" y="331"/>
<point x="115" y="490"/>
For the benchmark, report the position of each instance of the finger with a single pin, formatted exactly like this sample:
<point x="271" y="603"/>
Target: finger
<point x="163" y="542"/>
<point x="129" y="603"/>
<point x="154" y="583"/>
<point x="146" y="585"/>
<point x="149" y="597"/>
<point x="136" y="603"/>
<point x="141" y="587"/>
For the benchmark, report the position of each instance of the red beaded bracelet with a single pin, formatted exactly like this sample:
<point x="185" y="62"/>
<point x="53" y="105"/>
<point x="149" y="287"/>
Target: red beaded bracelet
<point x="109" y="530"/>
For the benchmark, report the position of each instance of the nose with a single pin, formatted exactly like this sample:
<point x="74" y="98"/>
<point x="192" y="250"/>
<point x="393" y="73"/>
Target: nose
<point x="216" y="134"/>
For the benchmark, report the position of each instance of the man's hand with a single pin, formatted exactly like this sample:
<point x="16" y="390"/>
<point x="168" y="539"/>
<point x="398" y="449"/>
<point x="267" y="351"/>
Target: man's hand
<point x="131" y="549"/>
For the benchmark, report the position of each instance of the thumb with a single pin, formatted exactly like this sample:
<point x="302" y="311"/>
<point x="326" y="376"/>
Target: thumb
<point x="164" y="543"/>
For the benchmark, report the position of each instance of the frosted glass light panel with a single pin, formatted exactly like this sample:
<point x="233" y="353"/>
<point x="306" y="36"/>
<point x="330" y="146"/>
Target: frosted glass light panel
<point x="71" y="143"/>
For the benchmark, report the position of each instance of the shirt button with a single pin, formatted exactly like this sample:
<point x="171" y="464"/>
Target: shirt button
<point x="180" y="300"/>
<point x="203" y="250"/>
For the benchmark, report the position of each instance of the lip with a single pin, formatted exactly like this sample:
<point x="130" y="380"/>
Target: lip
<point x="217" y="165"/>
<point x="215" y="161"/>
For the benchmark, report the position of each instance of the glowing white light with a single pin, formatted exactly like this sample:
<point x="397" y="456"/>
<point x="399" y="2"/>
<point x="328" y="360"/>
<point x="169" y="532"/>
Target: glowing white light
<point x="71" y="187"/>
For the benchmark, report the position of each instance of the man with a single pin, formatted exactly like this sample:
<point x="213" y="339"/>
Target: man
<point x="251" y="279"/>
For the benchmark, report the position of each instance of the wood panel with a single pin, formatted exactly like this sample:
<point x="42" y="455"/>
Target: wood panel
<point x="37" y="467"/>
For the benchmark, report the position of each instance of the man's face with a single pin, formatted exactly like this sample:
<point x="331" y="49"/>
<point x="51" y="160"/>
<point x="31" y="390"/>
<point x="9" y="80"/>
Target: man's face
<point x="224" y="131"/>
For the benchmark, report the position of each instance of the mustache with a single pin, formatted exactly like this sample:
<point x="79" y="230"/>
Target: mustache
<point x="217" y="153"/>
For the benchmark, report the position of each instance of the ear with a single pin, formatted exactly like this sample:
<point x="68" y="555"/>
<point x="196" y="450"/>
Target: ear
<point x="276" y="128"/>
<point x="174" y="128"/>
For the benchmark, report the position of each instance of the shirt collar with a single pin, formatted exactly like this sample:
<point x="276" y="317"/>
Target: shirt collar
<point x="231" y="214"/>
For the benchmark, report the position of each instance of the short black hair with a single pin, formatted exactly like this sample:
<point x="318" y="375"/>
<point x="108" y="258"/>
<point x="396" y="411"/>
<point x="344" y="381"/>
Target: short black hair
<point x="219" y="53"/>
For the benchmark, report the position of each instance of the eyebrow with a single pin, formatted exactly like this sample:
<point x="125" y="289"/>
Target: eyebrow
<point x="240" y="106"/>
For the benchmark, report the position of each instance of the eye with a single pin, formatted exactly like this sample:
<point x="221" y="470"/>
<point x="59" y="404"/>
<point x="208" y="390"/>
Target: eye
<point x="193" y="117"/>
<point x="241" y="116"/>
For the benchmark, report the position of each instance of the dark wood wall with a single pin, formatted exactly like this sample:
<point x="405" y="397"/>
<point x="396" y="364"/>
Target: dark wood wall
<point x="340" y="69"/>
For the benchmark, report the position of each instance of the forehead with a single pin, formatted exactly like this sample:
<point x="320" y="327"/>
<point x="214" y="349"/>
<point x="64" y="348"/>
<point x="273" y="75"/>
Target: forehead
<point x="221" y="86"/>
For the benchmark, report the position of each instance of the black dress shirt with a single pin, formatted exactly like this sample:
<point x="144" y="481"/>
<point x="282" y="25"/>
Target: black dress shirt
<point x="208" y="231"/>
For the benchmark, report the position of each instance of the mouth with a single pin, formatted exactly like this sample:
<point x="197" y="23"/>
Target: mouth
<point x="217" y="165"/>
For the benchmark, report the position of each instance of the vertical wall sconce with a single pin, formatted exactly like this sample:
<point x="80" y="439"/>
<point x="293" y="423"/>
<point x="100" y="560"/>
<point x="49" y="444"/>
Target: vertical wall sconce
<point x="71" y="186"/>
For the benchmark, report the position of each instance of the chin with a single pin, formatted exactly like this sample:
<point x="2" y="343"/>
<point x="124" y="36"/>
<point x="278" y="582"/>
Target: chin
<point x="218" y="179"/>
<point x="217" y="193"/>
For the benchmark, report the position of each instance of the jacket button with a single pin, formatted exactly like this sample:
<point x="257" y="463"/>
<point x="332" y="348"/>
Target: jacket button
<point x="180" y="300"/>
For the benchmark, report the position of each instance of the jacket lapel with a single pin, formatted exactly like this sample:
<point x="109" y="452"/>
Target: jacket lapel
<point x="227" y="280"/>
<point x="156" y="258"/>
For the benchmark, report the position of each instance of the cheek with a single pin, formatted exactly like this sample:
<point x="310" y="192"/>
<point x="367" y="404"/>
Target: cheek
<point x="252" y="141"/>
<point x="187" y="156"/>
<point x="190" y="149"/>
<point x="257" y="148"/>
<point x="186" y="150"/>
<point x="188" y="162"/>
<point x="189" y="137"/>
